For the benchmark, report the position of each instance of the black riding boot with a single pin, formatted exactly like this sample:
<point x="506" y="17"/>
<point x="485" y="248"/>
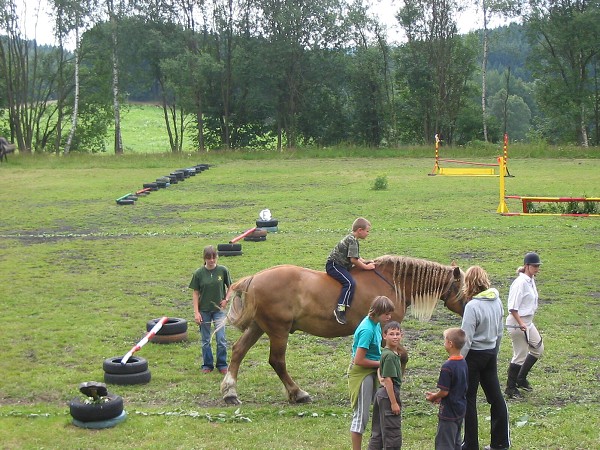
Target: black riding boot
<point x="525" y="368"/>
<point x="511" y="383"/>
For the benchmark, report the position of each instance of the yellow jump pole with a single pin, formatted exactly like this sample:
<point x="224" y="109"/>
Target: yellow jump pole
<point x="436" y="166"/>
<point x="502" y="208"/>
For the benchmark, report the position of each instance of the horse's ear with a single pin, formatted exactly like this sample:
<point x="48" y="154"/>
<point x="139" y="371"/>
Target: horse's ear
<point x="453" y="263"/>
<point x="456" y="273"/>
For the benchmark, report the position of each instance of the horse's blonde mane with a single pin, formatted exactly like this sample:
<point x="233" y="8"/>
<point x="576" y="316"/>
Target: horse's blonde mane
<point x="428" y="281"/>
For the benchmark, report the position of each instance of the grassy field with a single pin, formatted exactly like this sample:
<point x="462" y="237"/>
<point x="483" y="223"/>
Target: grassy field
<point x="81" y="276"/>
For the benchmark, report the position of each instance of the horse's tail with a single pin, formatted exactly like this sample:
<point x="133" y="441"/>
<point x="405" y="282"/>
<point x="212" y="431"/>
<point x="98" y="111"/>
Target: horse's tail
<point x="241" y="309"/>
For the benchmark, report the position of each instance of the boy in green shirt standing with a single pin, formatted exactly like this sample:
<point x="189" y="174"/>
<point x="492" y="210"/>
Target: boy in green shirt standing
<point x="210" y="284"/>
<point x="386" y="432"/>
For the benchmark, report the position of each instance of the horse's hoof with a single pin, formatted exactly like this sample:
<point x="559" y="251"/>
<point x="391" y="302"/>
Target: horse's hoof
<point x="232" y="400"/>
<point x="303" y="397"/>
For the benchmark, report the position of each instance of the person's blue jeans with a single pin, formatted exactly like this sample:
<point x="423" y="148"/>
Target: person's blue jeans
<point x="341" y="274"/>
<point x="215" y="318"/>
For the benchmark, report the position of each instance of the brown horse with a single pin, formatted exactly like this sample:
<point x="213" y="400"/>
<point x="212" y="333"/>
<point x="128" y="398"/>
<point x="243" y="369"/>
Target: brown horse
<point x="284" y="299"/>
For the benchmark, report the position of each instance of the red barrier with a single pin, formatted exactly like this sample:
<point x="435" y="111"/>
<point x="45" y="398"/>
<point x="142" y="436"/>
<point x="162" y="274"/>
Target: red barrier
<point x="242" y="236"/>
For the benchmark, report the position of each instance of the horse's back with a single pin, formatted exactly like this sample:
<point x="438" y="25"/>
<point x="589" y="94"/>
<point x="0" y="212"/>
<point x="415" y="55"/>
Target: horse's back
<point x="291" y="295"/>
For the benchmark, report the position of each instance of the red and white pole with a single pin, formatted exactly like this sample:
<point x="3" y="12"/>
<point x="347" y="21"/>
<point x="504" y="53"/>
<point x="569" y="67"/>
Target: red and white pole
<point x="144" y="340"/>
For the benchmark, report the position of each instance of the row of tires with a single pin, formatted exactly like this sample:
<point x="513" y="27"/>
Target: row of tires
<point x="163" y="182"/>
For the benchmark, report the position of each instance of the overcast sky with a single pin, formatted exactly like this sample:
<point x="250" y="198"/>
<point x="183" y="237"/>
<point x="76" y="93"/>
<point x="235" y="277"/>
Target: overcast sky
<point x="385" y="9"/>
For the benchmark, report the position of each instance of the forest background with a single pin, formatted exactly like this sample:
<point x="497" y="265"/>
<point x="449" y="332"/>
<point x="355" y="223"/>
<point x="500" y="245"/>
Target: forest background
<point x="263" y="74"/>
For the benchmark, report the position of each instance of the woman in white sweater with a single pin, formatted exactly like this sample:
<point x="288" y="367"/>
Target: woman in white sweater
<point x="527" y="343"/>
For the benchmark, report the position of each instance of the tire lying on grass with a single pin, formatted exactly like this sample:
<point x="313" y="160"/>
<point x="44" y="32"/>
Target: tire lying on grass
<point x="229" y="247"/>
<point x="267" y="223"/>
<point x="90" y="412"/>
<point x="258" y="233"/>
<point x="173" y="325"/>
<point x="128" y="378"/>
<point x="169" y="338"/>
<point x="99" y="424"/>
<point x="255" y="238"/>
<point x="134" y="364"/>
<point x="230" y="253"/>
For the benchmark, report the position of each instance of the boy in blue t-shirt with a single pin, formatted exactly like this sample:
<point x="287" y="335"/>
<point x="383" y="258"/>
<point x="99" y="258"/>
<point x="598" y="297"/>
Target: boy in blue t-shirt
<point x="452" y="393"/>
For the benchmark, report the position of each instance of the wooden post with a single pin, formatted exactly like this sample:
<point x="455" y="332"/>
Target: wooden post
<point x="502" y="208"/>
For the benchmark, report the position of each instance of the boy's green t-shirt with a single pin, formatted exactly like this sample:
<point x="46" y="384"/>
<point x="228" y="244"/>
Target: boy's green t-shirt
<point x="389" y="367"/>
<point x="212" y="285"/>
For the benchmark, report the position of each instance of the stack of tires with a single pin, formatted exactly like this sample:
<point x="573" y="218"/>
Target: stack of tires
<point x="105" y="410"/>
<point x="173" y="330"/>
<point x="134" y="371"/>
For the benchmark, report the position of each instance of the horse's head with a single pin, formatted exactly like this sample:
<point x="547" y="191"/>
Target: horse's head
<point x="453" y="298"/>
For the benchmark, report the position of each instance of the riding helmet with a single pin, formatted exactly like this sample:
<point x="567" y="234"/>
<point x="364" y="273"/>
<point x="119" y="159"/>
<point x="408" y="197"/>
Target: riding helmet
<point x="532" y="258"/>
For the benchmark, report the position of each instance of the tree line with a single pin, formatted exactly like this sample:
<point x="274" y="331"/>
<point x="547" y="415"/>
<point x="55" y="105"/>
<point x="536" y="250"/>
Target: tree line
<point x="292" y="73"/>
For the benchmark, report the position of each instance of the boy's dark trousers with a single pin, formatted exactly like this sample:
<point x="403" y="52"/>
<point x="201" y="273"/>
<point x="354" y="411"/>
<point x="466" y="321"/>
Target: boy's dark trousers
<point x="448" y="435"/>
<point x="386" y="432"/>
<point x="341" y="274"/>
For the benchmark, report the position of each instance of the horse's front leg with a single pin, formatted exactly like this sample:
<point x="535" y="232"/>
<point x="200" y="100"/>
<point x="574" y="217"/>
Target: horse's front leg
<point x="238" y="351"/>
<point x="277" y="362"/>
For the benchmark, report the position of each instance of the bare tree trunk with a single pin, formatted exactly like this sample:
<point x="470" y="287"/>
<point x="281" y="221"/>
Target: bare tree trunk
<point x="484" y="73"/>
<point x="505" y="108"/>
<point x="76" y="94"/>
<point x="200" y="122"/>
<point x="115" y="81"/>
<point x="583" y="128"/>
<point x="60" y="101"/>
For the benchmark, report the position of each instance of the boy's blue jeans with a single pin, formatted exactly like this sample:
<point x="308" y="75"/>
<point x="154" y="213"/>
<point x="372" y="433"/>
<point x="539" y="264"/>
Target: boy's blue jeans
<point x="208" y="318"/>
<point x="341" y="274"/>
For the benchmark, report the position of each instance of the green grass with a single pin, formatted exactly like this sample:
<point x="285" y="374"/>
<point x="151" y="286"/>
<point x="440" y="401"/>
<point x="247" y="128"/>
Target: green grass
<point x="81" y="276"/>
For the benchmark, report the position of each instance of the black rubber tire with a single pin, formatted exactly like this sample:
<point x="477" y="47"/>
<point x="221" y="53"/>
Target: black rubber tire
<point x="126" y="201"/>
<point x="229" y="247"/>
<point x="134" y="364"/>
<point x="267" y="223"/>
<point x="99" y="424"/>
<point x="230" y="253"/>
<point x="255" y="238"/>
<point x="150" y="185"/>
<point x="174" y="325"/>
<point x="127" y="378"/>
<point x="169" y="338"/>
<point x="258" y="232"/>
<point x="90" y="412"/>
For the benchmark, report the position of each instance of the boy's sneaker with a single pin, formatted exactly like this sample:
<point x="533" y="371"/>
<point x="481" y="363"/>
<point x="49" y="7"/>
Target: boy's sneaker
<point x="340" y="314"/>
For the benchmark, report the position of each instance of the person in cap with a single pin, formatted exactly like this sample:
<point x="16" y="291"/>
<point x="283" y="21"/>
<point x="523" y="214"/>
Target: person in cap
<point x="527" y="343"/>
